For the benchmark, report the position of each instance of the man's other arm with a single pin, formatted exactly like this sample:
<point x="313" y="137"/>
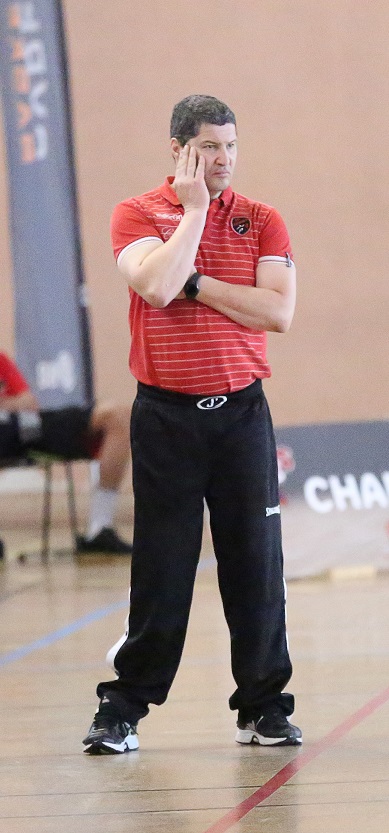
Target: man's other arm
<point x="269" y="305"/>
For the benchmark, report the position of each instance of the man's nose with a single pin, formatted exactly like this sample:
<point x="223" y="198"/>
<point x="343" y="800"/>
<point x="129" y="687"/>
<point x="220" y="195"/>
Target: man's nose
<point x="222" y="156"/>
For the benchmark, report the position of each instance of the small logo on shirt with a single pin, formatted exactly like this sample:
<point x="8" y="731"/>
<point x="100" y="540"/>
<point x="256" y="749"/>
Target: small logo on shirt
<point x="211" y="403"/>
<point x="163" y="215"/>
<point x="240" y="224"/>
<point x="273" y="510"/>
<point x="167" y="232"/>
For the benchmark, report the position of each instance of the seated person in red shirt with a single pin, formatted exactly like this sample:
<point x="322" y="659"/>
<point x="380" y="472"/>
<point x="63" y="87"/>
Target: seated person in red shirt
<point x="99" y="432"/>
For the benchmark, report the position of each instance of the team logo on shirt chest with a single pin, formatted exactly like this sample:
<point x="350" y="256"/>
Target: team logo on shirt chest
<point x="240" y="224"/>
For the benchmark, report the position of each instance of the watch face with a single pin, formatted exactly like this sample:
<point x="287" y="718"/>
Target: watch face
<point x="192" y="286"/>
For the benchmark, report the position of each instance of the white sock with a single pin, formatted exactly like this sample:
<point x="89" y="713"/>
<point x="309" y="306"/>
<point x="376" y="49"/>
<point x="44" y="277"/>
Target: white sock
<point x="102" y="509"/>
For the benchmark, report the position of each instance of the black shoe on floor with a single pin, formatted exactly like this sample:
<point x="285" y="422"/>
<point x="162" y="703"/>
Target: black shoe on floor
<point x="272" y="728"/>
<point x="106" y="541"/>
<point x="109" y="734"/>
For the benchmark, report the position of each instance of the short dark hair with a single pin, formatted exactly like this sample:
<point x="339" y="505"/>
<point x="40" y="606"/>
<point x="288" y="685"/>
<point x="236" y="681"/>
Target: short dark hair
<point x="193" y="111"/>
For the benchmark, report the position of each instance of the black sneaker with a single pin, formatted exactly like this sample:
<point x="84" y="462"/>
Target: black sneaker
<point x="270" y="729"/>
<point x="106" y="541"/>
<point x="109" y="734"/>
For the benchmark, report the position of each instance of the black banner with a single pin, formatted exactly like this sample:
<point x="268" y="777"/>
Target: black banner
<point x="51" y="322"/>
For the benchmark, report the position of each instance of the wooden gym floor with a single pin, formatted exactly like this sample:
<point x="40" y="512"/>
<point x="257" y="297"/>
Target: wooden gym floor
<point x="189" y="776"/>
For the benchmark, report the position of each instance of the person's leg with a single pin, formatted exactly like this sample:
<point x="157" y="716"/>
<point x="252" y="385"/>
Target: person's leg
<point x="169" y="483"/>
<point x="245" y="523"/>
<point x="110" y="424"/>
<point x="81" y="434"/>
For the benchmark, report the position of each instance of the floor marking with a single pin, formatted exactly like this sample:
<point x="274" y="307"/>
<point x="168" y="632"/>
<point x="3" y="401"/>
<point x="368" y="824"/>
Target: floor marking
<point x="284" y="775"/>
<point x="44" y="641"/>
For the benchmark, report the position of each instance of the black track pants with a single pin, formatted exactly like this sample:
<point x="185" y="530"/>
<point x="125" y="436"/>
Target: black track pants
<point x="182" y="454"/>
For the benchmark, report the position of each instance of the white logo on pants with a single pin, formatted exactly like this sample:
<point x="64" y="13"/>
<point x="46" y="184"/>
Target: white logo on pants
<point x="273" y="510"/>
<point x="211" y="402"/>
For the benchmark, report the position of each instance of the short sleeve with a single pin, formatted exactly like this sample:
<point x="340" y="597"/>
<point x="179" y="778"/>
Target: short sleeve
<point x="130" y="224"/>
<point x="274" y="238"/>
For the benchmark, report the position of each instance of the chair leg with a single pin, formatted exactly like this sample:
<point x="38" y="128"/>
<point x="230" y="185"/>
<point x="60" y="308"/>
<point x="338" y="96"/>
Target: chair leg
<point x="72" y="504"/>
<point x="46" y="516"/>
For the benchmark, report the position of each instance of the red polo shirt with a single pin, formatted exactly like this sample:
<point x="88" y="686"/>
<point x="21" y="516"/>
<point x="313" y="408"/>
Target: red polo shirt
<point x="187" y="346"/>
<point x="11" y="380"/>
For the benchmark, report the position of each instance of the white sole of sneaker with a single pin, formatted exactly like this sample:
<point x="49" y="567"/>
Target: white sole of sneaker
<point x="249" y="736"/>
<point x="129" y="744"/>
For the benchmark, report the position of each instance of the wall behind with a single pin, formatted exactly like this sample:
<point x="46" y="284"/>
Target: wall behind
<point x="309" y="84"/>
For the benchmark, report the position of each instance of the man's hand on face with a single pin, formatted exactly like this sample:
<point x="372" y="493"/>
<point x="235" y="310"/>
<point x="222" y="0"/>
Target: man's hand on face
<point x="189" y="183"/>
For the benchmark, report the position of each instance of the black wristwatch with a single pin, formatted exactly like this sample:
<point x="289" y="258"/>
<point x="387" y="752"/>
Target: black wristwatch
<point x="191" y="288"/>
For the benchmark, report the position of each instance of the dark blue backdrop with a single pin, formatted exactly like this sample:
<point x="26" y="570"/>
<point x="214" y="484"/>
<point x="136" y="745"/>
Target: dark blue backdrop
<point x="51" y="322"/>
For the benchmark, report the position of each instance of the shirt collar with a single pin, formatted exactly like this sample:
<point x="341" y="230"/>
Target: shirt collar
<point x="169" y="193"/>
<point x="226" y="196"/>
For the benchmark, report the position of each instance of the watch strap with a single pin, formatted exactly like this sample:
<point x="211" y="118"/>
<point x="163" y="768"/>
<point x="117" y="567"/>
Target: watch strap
<point x="191" y="287"/>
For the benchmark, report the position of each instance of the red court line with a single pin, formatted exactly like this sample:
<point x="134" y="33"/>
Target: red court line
<point x="284" y="775"/>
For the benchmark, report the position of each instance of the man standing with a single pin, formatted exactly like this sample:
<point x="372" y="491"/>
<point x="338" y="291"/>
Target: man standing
<point x="209" y="272"/>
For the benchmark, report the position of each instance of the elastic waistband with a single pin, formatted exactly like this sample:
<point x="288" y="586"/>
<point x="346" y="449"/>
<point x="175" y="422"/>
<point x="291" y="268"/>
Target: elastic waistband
<point x="202" y="400"/>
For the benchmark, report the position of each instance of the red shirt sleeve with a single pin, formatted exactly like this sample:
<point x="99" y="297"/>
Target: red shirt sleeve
<point x="128" y="224"/>
<point x="274" y="238"/>
<point x="11" y="380"/>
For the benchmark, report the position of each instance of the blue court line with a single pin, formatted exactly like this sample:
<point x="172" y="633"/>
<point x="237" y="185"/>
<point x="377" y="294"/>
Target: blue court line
<point x="44" y="641"/>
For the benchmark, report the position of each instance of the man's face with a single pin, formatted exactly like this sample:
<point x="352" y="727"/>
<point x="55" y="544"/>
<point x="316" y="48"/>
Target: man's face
<point x="218" y="144"/>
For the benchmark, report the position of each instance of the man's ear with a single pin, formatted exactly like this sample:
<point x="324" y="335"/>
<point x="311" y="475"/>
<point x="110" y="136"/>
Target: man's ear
<point x="175" y="148"/>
